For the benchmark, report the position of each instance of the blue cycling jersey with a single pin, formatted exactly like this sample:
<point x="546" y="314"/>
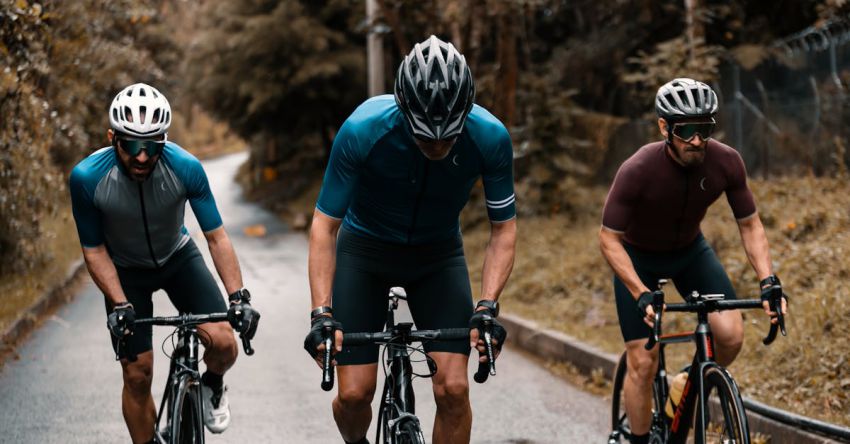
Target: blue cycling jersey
<point x="141" y="223"/>
<point x="382" y="186"/>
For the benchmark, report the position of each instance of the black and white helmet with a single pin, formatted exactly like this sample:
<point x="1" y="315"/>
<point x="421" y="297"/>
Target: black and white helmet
<point x="434" y="89"/>
<point x="139" y="110"/>
<point x="683" y="98"/>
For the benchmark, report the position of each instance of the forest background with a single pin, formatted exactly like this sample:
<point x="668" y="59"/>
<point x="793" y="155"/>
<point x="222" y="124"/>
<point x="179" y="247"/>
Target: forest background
<point x="572" y="80"/>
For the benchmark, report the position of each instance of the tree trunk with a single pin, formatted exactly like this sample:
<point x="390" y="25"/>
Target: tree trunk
<point x="391" y="16"/>
<point x="695" y="28"/>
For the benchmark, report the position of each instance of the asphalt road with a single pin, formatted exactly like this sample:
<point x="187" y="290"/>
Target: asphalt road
<point x="65" y="387"/>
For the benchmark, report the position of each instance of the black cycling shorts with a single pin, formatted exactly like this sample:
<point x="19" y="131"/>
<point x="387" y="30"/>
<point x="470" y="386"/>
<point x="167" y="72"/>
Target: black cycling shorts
<point x="184" y="277"/>
<point x="692" y="268"/>
<point x="434" y="276"/>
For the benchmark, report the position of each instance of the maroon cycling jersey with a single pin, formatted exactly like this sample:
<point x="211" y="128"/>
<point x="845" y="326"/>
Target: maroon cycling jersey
<point x="659" y="204"/>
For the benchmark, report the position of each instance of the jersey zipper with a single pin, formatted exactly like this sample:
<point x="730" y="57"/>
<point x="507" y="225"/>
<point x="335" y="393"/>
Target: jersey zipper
<point x="418" y="202"/>
<point x="147" y="229"/>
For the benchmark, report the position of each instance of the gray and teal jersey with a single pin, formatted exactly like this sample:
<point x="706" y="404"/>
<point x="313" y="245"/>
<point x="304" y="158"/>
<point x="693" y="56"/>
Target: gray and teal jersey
<point x="382" y="186"/>
<point x="141" y="223"/>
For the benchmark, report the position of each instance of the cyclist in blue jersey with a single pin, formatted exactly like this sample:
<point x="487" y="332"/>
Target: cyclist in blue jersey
<point x="128" y="202"/>
<point x="400" y="171"/>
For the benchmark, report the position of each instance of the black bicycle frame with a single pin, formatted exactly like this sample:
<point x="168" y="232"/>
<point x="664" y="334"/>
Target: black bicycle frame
<point x="398" y="397"/>
<point x="184" y="360"/>
<point x="703" y="339"/>
<point x="703" y="356"/>
<point x="398" y="400"/>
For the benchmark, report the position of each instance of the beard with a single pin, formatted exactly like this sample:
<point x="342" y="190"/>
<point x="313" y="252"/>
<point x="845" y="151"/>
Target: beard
<point x="690" y="156"/>
<point x="139" y="171"/>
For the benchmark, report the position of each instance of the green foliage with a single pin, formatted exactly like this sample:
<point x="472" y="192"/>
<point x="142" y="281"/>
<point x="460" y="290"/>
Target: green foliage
<point x="282" y="74"/>
<point x="669" y="60"/>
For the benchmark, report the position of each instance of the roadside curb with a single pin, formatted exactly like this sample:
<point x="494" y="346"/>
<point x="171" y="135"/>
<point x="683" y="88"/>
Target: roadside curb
<point x="30" y="317"/>
<point x="553" y="345"/>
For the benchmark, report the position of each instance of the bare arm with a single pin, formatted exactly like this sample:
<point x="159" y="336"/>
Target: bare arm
<point x="224" y="258"/>
<point x="611" y="244"/>
<point x="322" y="261"/>
<point x="104" y="274"/>
<point x="755" y="244"/>
<point x="498" y="259"/>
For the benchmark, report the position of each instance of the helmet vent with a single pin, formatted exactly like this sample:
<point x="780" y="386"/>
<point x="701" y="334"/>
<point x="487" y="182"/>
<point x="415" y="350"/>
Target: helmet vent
<point x="128" y="115"/>
<point x="142" y="113"/>
<point x="142" y="92"/>
<point x="155" y="118"/>
<point x="115" y="114"/>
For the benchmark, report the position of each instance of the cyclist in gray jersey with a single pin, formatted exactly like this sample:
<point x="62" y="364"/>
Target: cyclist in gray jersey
<point x="128" y="201"/>
<point x="650" y="230"/>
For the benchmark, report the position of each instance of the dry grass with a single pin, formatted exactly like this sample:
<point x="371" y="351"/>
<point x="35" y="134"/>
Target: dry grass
<point x="21" y="290"/>
<point x="561" y="280"/>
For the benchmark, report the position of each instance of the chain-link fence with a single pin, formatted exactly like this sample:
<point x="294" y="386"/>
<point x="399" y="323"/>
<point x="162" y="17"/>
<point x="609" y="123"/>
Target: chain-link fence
<point x="787" y="110"/>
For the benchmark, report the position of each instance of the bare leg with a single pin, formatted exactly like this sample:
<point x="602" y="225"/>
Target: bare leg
<point x="136" y="400"/>
<point x="220" y="346"/>
<point x="453" y="422"/>
<point x="728" y="330"/>
<point x="352" y="406"/>
<point x="637" y="387"/>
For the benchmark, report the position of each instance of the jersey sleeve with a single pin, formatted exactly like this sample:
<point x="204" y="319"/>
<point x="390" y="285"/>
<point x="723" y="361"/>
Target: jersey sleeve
<point x="498" y="179"/>
<point x="738" y="193"/>
<point x="82" y="185"/>
<point x="200" y="196"/>
<point x="342" y="172"/>
<point x="622" y="199"/>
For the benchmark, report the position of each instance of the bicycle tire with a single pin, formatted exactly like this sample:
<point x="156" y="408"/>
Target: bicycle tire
<point x="409" y="432"/>
<point x="724" y="401"/>
<point x="187" y="426"/>
<point x="619" y="422"/>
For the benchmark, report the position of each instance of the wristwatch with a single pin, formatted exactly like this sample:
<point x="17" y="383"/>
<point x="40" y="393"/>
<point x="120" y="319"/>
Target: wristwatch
<point x="239" y="295"/>
<point x="493" y="306"/>
<point x="318" y="311"/>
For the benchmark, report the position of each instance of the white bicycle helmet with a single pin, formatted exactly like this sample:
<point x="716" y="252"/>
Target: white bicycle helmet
<point x="683" y="97"/>
<point x="140" y="110"/>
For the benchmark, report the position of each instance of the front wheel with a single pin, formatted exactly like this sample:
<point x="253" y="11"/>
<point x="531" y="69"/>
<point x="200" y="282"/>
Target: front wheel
<point x="727" y="420"/>
<point x="187" y="426"/>
<point x="409" y="432"/>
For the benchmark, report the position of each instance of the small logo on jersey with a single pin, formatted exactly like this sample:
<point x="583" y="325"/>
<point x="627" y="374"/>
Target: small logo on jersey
<point x="702" y="184"/>
<point x="454" y="160"/>
<point x="162" y="185"/>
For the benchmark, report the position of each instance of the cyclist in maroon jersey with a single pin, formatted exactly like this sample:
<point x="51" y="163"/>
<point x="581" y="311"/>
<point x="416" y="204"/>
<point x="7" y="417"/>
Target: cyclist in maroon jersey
<point x="651" y="230"/>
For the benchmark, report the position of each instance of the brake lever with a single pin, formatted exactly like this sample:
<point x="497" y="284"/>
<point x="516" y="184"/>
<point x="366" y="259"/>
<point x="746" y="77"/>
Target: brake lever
<point x="658" y="308"/>
<point x="327" y="368"/>
<point x="485" y="369"/>
<point x="246" y="345"/>
<point x="779" y="325"/>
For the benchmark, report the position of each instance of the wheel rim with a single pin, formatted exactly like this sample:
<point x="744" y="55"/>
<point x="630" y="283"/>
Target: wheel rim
<point x="727" y="423"/>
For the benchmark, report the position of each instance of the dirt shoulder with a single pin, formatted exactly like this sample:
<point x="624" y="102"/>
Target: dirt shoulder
<point x="561" y="280"/>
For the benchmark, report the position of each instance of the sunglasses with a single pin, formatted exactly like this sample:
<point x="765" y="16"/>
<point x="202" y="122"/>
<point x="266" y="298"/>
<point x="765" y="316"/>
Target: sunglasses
<point x="134" y="146"/>
<point x="687" y="131"/>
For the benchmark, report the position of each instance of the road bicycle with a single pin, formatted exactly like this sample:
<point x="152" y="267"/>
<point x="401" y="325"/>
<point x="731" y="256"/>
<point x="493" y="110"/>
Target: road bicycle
<point x="179" y="419"/>
<point x="397" y="419"/>
<point x="710" y="392"/>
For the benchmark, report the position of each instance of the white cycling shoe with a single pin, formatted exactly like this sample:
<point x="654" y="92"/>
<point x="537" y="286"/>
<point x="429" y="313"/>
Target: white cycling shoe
<point x="216" y="415"/>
